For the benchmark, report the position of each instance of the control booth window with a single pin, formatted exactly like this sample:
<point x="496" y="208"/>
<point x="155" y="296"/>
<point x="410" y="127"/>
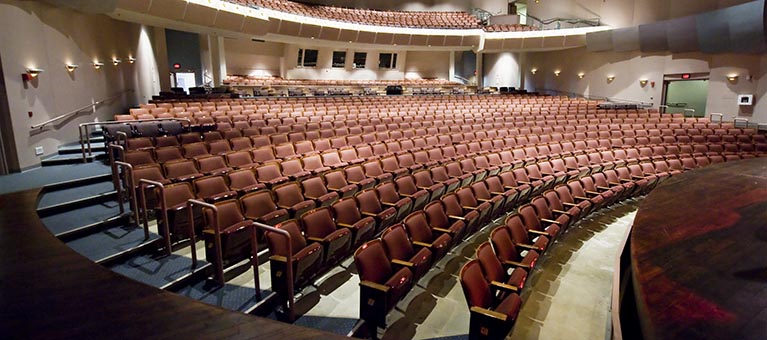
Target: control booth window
<point x="307" y="57"/>
<point x="359" y="59"/>
<point x="387" y="60"/>
<point x="339" y="59"/>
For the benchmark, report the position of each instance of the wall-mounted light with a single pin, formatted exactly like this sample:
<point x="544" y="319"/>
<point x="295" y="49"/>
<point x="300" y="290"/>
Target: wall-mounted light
<point x="31" y="73"/>
<point x="581" y="75"/>
<point x="643" y="82"/>
<point x="97" y="64"/>
<point x="116" y="61"/>
<point x="71" y="67"/>
<point x="610" y="78"/>
<point x="557" y="72"/>
<point x="534" y="70"/>
<point x="131" y="60"/>
<point x="733" y="78"/>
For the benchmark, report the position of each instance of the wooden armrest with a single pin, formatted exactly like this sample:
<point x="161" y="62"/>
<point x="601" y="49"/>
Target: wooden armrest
<point x="535" y="178"/>
<point x="468" y="207"/>
<point x="278" y="258"/>
<point x="457" y="217"/>
<point x="497" y="193"/>
<point x="551" y="221"/>
<point x="626" y="180"/>
<point x="568" y="204"/>
<point x="561" y="212"/>
<point x="528" y="246"/>
<point x="538" y="232"/>
<point x="509" y="187"/>
<point x="315" y="239"/>
<point x="489" y="313"/>
<point x="344" y="225"/>
<point x="516" y="264"/>
<point x="483" y="200"/>
<point x="613" y="183"/>
<point x="442" y="230"/>
<point x="365" y="213"/>
<point x="422" y="244"/>
<point x="603" y="188"/>
<point x="389" y="204"/>
<point x="403" y="263"/>
<point x="523" y="182"/>
<point x="595" y="193"/>
<point x="581" y="198"/>
<point x="283" y="207"/>
<point x="636" y="177"/>
<point x="503" y="286"/>
<point x="406" y="195"/>
<point x="375" y="286"/>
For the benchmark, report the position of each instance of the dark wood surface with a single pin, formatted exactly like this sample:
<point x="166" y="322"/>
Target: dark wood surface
<point x="699" y="254"/>
<point x="48" y="291"/>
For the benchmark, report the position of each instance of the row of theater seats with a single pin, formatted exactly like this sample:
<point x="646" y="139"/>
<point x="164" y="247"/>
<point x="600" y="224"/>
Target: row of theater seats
<point x="509" y="28"/>
<point x="279" y="81"/>
<point x="389" y="266"/>
<point x="428" y="19"/>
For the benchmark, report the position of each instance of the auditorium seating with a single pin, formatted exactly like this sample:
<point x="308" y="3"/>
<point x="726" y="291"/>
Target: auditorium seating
<point x="433" y="175"/>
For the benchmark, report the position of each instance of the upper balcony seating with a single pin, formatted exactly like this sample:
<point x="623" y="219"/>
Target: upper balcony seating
<point x="447" y="20"/>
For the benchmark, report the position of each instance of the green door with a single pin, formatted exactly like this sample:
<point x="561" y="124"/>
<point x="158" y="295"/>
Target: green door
<point x="687" y="94"/>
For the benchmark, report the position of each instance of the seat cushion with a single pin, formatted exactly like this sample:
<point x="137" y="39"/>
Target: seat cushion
<point x="510" y="306"/>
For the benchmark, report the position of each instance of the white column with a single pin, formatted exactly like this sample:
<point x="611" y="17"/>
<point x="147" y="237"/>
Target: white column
<point x="451" y="70"/>
<point x="218" y="59"/>
<point x="502" y="69"/>
<point x="206" y="59"/>
<point x="480" y="70"/>
<point x="160" y="46"/>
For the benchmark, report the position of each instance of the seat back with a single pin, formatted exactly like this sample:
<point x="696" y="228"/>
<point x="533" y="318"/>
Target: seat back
<point x="259" y="203"/>
<point x="475" y="288"/>
<point x="277" y="246"/>
<point x="346" y="211"/>
<point x="490" y="263"/>
<point x="318" y="222"/>
<point x="372" y="263"/>
<point x="210" y="186"/>
<point x="314" y="187"/>
<point x="369" y="201"/>
<point x="396" y="243"/>
<point x="288" y="194"/>
<point x="418" y="227"/>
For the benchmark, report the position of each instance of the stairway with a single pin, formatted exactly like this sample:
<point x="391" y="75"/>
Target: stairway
<point x="71" y="153"/>
<point x="85" y="214"/>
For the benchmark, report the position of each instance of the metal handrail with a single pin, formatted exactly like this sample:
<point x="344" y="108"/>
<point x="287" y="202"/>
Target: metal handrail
<point x="78" y="110"/>
<point x="712" y="114"/>
<point x="85" y="134"/>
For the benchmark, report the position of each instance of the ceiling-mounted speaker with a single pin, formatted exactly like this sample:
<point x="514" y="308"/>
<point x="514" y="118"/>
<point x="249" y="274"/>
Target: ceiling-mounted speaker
<point x="682" y="35"/>
<point x="652" y="37"/>
<point x="599" y="41"/>
<point x="626" y="39"/>
<point x="87" y="6"/>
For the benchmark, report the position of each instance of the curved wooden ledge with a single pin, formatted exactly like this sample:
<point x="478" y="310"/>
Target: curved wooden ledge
<point x="699" y="254"/>
<point x="49" y="291"/>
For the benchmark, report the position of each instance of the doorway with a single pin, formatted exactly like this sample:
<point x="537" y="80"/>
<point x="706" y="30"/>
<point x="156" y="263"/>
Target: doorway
<point x="9" y="161"/>
<point x="686" y="94"/>
<point x="183" y="80"/>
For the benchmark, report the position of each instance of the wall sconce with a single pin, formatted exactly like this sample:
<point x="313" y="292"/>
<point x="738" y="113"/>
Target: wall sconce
<point x="732" y="78"/>
<point x="581" y="75"/>
<point x="131" y="60"/>
<point x="557" y="72"/>
<point x="610" y="78"/>
<point x="116" y="61"/>
<point x="643" y="82"/>
<point x="534" y="70"/>
<point x="97" y="65"/>
<point x="31" y="73"/>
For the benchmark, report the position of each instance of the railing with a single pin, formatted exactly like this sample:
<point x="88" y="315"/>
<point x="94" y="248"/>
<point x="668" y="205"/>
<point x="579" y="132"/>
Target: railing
<point x="85" y="133"/>
<point x="92" y="106"/>
<point x="593" y="97"/>
<point x="542" y="23"/>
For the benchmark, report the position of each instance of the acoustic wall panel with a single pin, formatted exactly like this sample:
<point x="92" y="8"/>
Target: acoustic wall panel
<point x="682" y="35"/>
<point x="599" y="41"/>
<point x="626" y="39"/>
<point x="329" y="33"/>
<point x="747" y="27"/>
<point x="713" y="32"/>
<point x="652" y="37"/>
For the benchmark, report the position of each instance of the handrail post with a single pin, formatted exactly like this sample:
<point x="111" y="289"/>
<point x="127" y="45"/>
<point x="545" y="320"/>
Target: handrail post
<point x="689" y="110"/>
<point x="664" y="107"/>
<point x="146" y="184"/>
<point x="219" y="260"/>
<point x="721" y="117"/>
<point x="130" y="181"/>
<point x="82" y="145"/>
<point x="740" y="119"/>
<point x="121" y="152"/>
<point x="288" y="270"/>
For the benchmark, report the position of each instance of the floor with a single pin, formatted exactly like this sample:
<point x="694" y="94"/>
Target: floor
<point x="42" y="176"/>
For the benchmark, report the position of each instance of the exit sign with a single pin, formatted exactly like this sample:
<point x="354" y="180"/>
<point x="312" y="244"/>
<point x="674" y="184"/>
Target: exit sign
<point x="686" y="76"/>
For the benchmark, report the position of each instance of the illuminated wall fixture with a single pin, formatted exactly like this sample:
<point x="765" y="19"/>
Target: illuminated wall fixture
<point x="534" y="70"/>
<point x="116" y="61"/>
<point x="610" y="78"/>
<point x="557" y="72"/>
<point x="732" y="78"/>
<point x="131" y="60"/>
<point x="581" y="75"/>
<point x="643" y="82"/>
<point x="31" y="73"/>
<point x="97" y="65"/>
<point x="71" y="67"/>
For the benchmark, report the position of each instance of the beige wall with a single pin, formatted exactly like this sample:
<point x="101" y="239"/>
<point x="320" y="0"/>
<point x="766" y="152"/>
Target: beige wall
<point x="41" y="36"/>
<point x="629" y="68"/>
<point x="246" y="57"/>
<point x="427" y="64"/>
<point x="623" y="13"/>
